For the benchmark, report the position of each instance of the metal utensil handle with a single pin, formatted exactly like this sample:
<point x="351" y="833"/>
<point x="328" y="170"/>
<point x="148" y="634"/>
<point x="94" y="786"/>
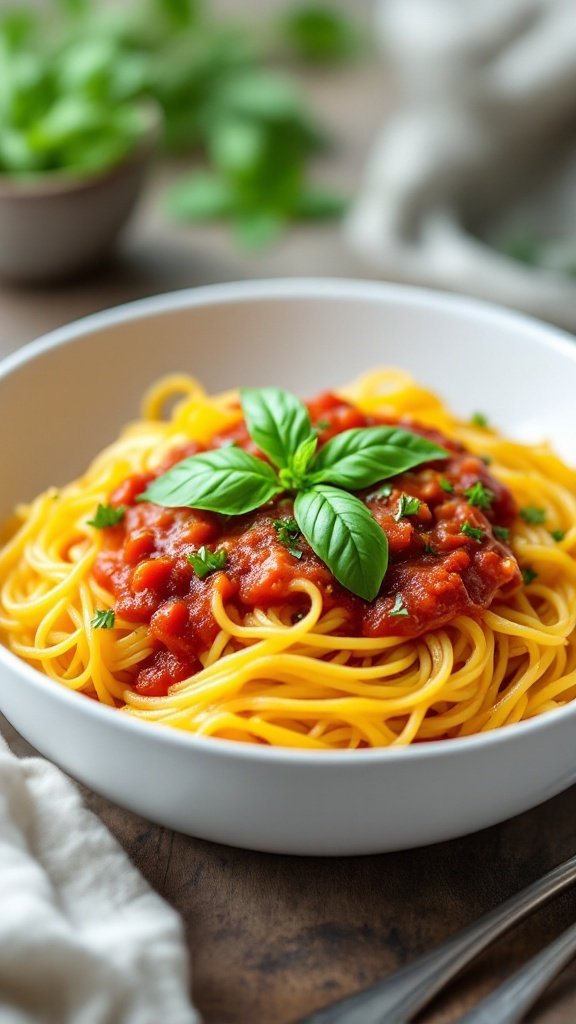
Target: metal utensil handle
<point x="511" y="1001"/>
<point x="396" y="999"/>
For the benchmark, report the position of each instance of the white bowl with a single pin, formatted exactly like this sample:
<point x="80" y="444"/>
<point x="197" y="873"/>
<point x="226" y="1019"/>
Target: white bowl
<point x="66" y="395"/>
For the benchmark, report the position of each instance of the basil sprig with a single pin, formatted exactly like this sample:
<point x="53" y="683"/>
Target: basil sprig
<point x="337" y="525"/>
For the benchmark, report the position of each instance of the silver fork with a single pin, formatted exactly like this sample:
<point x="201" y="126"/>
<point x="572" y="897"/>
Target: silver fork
<point x="396" y="999"/>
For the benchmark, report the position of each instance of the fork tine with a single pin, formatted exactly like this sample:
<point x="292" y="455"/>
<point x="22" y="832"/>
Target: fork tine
<point x="510" y="1001"/>
<point x="397" y="998"/>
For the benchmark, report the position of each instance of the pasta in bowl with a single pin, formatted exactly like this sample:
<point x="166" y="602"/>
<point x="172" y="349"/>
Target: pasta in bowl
<point x="186" y="582"/>
<point x="297" y="587"/>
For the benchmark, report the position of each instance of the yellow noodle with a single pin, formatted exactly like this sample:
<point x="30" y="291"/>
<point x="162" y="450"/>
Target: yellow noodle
<point x="265" y="679"/>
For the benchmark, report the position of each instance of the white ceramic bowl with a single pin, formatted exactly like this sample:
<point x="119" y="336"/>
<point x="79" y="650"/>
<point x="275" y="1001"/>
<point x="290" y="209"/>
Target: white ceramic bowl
<point x="66" y="395"/>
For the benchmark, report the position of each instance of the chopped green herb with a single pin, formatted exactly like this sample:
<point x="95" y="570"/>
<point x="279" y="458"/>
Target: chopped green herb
<point x="407" y="506"/>
<point x="557" y="535"/>
<point x="479" y="495"/>
<point x="472" y="531"/>
<point x="383" y="492"/>
<point x="204" y="561"/>
<point x="107" y="515"/>
<point x="486" y="459"/>
<point x="322" y="425"/>
<point x="103" y="619"/>
<point x="429" y="549"/>
<point x="399" y="608"/>
<point x="533" y="515"/>
<point x="529" y="575"/>
<point x="501" y="533"/>
<point x="479" y="419"/>
<point x="446" y="485"/>
<point x="288" y="533"/>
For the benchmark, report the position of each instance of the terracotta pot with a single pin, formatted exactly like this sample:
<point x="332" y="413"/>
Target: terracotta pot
<point x="55" y="225"/>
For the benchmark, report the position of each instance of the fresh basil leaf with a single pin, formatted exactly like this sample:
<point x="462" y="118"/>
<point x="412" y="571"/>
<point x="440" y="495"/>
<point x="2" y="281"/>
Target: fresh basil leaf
<point x="318" y="33"/>
<point x="358" y="458"/>
<point x="227" y="480"/>
<point x="257" y="228"/>
<point x="319" y="204"/>
<point x="300" y="461"/>
<point x="341" y="531"/>
<point x="200" y="198"/>
<point x="236" y="146"/>
<point x="277" y="422"/>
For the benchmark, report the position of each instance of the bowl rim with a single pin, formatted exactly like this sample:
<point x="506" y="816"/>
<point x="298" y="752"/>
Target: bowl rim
<point x="63" y="181"/>
<point x="280" y="289"/>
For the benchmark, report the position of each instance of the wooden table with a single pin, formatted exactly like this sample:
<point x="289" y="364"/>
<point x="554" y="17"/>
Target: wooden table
<point x="271" y="937"/>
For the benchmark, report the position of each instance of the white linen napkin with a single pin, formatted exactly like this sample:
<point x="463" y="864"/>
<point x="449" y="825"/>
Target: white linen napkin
<point x="479" y="157"/>
<point x="83" y="938"/>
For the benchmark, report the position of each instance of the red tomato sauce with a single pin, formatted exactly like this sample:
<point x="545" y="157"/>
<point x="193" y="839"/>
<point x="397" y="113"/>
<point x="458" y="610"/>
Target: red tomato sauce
<point x="435" y="571"/>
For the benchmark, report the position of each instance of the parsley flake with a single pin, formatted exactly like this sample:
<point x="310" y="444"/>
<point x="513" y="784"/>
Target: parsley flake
<point x="288" y="532"/>
<point x="103" y="619"/>
<point x="107" y="515"/>
<point x="533" y="515"/>
<point x="446" y="485"/>
<point x="557" y="535"/>
<point x="529" y="575"/>
<point x="429" y="549"/>
<point x="407" y="506"/>
<point x="399" y="608"/>
<point x="501" y="533"/>
<point x="479" y="495"/>
<point x="472" y="531"/>
<point x="204" y="561"/>
<point x="383" y="492"/>
<point x="479" y="419"/>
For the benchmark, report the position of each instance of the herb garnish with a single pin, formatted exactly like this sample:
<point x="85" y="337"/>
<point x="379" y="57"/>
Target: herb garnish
<point x="399" y="607"/>
<point x="382" y="492"/>
<point x="429" y="549"/>
<point x="103" y="619"/>
<point x="407" y="506"/>
<point x="501" y="533"/>
<point x="336" y="524"/>
<point x="533" y="515"/>
<point x="288" y="533"/>
<point x="107" y="515"/>
<point x="446" y="485"/>
<point x="557" y="535"/>
<point x="479" y="419"/>
<point x="529" y="575"/>
<point x="479" y="495"/>
<point x="205" y="561"/>
<point x="472" y="531"/>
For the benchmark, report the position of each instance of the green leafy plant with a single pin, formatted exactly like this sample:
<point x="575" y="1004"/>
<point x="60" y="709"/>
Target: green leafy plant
<point x="72" y="84"/>
<point x="337" y="525"/>
<point x="319" y="33"/>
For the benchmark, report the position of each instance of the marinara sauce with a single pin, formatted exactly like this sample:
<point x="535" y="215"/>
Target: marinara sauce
<point x="445" y="559"/>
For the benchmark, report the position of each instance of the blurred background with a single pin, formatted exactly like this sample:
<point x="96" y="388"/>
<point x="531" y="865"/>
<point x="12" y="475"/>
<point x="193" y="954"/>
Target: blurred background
<point x="148" y="145"/>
